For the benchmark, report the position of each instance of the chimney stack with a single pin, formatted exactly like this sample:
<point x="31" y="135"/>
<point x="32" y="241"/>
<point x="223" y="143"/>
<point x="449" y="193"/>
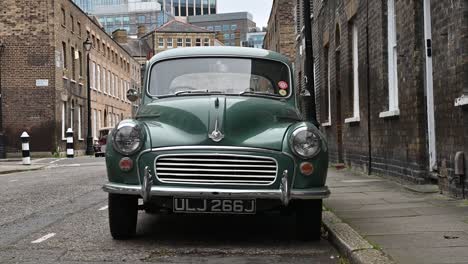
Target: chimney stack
<point x="141" y="31"/>
<point x="120" y="36"/>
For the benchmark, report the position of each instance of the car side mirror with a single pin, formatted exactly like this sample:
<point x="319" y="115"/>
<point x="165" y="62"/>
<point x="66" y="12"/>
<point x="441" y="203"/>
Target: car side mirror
<point x="132" y="95"/>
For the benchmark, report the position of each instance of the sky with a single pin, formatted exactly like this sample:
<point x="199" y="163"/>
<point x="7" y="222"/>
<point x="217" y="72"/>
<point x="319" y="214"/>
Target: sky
<point x="260" y="9"/>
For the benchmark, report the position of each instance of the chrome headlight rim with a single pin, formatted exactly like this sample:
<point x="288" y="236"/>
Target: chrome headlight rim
<point x="305" y="129"/>
<point x="140" y="135"/>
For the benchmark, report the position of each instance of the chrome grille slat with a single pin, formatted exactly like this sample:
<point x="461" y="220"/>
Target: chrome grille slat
<point x="214" y="181"/>
<point x="215" y="165"/>
<point x="214" y="175"/>
<point x="216" y="168"/>
<point x="220" y="170"/>
<point x="221" y="160"/>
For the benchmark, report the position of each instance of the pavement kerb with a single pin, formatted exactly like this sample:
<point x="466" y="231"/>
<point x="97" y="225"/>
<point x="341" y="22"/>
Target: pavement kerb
<point x="350" y="243"/>
<point x="25" y="169"/>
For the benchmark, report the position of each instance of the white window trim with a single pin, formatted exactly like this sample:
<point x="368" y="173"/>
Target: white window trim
<point x="159" y="43"/>
<point x="98" y="80"/>
<point x="328" y="123"/>
<point x="461" y="101"/>
<point x="355" y="53"/>
<point x="171" y="42"/>
<point x="71" y="118"/>
<point x="80" y="135"/>
<point x="93" y="74"/>
<point x="94" y="125"/>
<point x="104" y="87"/>
<point x="63" y="120"/>
<point x="393" y="107"/>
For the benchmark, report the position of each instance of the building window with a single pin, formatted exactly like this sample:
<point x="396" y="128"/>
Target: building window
<point x="64" y="54"/>
<point x="80" y="136"/>
<point x="180" y="42"/>
<point x="217" y="28"/>
<point x="64" y="17"/>
<point x="233" y="27"/>
<point x="327" y="96"/>
<point x="104" y="87"/>
<point x="80" y="61"/>
<point x="94" y="124"/>
<point x="169" y="43"/>
<point x="93" y="75"/>
<point x="72" y="110"/>
<point x="233" y="36"/>
<point x="108" y="82"/>
<point x="98" y="120"/>
<point x="227" y="37"/>
<point x="161" y="43"/>
<point x="225" y="27"/>
<point x="206" y="43"/>
<point x="198" y="42"/>
<point x="210" y="28"/>
<point x="188" y="42"/>
<point x="393" y="108"/>
<point x="73" y="64"/>
<point x="72" y="22"/>
<point x="354" y="91"/>
<point x="98" y="79"/>
<point x="78" y="28"/>
<point x="141" y="19"/>
<point x="64" y="107"/>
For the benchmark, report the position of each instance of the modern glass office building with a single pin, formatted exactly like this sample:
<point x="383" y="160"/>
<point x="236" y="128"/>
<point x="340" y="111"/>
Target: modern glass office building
<point x="126" y="14"/>
<point x="186" y="8"/>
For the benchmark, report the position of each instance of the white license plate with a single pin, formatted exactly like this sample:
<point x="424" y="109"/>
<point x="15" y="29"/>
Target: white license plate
<point x="214" y="206"/>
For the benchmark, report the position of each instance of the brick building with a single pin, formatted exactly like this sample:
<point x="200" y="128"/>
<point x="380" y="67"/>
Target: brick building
<point x="281" y="33"/>
<point x="177" y="34"/>
<point x="390" y="79"/>
<point x="43" y="69"/>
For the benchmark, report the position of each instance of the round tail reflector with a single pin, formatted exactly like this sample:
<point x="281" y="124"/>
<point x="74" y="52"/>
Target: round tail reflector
<point x="126" y="164"/>
<point x="307" y="168"/>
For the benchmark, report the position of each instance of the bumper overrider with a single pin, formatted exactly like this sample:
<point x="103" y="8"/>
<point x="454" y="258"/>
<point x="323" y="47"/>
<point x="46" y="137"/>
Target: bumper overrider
<point x="146" y="190"/>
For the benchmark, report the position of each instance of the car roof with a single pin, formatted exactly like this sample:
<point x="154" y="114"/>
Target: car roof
<point x="219" y="51"/>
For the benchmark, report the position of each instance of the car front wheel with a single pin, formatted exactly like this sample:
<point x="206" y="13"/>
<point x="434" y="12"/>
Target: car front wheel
<point x="123" y="213"/>
<point x="308" y="219"/>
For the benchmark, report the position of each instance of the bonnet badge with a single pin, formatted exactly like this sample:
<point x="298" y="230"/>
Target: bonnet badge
<point x="216" y="135"/>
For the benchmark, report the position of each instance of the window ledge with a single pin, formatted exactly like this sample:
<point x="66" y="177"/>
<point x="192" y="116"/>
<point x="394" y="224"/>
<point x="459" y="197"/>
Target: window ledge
<point x="64" y="77"/>
<point x="73" y="81"/>
<point x="461" y="101"/>
<point x="390" y="113"/>
<point x="81" y="139"/>
<point x="350" y="120"/>
<point x="327" y="124"/>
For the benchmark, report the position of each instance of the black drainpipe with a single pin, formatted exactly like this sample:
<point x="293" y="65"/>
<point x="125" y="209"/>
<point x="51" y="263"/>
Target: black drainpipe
<point x="309" y="61"/>
<point x="369" y="135"/>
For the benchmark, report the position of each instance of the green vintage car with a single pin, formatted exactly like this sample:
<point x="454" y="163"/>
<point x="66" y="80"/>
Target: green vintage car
<point x="218" y="131"/>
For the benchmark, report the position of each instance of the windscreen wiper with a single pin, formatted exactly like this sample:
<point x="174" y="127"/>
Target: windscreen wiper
<point x="255" y="93"/>
<point x="195" y="91"/>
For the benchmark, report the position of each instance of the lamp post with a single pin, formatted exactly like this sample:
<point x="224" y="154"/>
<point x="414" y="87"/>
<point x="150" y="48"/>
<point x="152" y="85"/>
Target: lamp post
<point x="2" y="137"/>
<point x="89" y="137"/>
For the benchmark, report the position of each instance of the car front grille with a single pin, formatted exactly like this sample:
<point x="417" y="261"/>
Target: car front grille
<point x="226" y="169"/>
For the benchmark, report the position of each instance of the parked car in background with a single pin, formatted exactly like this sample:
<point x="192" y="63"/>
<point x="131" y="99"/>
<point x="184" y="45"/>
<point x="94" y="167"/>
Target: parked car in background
<point x="101" y="144"/>
<point x="218" y="131"/>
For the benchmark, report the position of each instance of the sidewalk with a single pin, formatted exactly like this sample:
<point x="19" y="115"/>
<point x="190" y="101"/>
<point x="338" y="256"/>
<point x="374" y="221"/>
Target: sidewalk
<point x="411" y="227"/>
<point x="15" y="165"/>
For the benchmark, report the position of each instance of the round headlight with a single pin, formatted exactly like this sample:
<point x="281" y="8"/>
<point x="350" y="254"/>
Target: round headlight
<point x="305" y="143"/>
<point x="127" y="139"/>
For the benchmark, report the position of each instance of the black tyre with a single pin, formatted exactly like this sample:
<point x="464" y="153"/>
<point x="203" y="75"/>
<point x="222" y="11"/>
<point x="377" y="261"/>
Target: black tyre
<point x="123" y="213"/>
<point x="308" y="219"/>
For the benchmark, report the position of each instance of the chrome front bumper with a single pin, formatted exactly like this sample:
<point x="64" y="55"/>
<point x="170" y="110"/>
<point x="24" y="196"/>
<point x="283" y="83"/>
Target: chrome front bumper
<point x="284" y="193"/>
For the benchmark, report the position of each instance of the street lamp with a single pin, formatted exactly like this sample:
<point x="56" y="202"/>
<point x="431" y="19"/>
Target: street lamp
<point x="88" y="44"/>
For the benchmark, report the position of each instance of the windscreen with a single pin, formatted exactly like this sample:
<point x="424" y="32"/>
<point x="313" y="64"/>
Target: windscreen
<point x="220" y="75"/>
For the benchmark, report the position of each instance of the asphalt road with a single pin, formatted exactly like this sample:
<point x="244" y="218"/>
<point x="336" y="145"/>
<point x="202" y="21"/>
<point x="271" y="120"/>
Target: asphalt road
<point x="59" y="215"/>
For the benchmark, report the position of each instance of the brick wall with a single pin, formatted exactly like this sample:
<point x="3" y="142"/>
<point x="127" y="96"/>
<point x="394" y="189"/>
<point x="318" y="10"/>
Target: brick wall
<point x="35" y="34"/>
<point x="281" y="36"/>
<point x="395" y="145"/>
<point x="450" y="67"/>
